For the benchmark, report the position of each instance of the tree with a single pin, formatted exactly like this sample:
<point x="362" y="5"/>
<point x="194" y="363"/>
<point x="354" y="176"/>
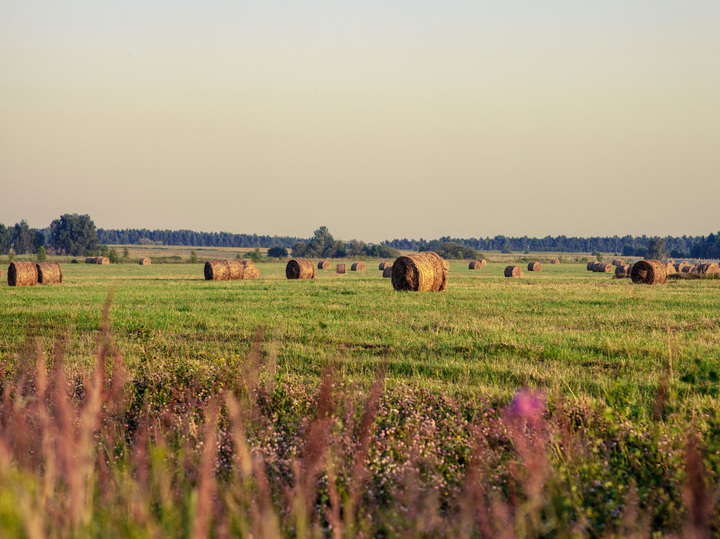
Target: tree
<point x="5" y="240"/>
<point x="193" y="257"/>
<point x="277" y="252"/>
<point x="105" y="251"/>
<point x="126" y="253"/>
<point x="113" y="256"/>
<point x="73" y="234"/>
<point x="23" y="238"/>
<point x="41" y="254"/>
<point x="656" y="249"/>
<point x="255" y="255"/>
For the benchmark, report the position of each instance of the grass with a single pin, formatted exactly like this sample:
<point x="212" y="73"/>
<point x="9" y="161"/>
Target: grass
<point x="627" y="367"/>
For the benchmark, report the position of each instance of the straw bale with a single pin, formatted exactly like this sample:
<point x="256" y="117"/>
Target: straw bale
<point x="300" y="268"/>
<point x="384" y="265"/>
<point x="49" y="272"/>
<point x="590" y="265"/>
<point x="534" y="266"/>
<point x="710" y="268"/>
<point x="555" y="261"/>
<point x="237" y="270"/>
<point x="513" y="271"/>
<point x="484" y="262"/>
<point x="91" y="260"/>
<point x="102" y="260"/>
<point x="358" y="266"/>
<point x="387" y="272"/>
<point x="649" y="272"/>
<point x="145" y="261"/>
<point x="217" y="270"/>
<point x="251" y="272"/>
<point x="629" y="270"/>
<point x="670" y="267"/>
<point x="324" y="264"/>
<point x="605" y="268"/>
<point x="419" y="272"/>
<point x="341" y="268"/>
<point x="246" y="262"/>
<point x="446" y="264"/>
<point x="617" y="262"/>
<point x="687" y="269"/>
<point x="22" y="274"/>
<point x="621" y="271"/>
<point x="475" y="264"/>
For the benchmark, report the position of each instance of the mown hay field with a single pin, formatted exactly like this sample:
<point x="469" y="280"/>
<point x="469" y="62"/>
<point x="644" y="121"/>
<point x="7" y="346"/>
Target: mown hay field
<point x="558" y="403"/>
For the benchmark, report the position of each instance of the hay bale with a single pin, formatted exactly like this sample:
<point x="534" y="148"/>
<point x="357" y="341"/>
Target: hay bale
<point x="621" y="271"/>
<point x="687" y="269"/>
<point x="590" y="265"/>
<point x="251" y="272"/>
<point x="446" y="264"/>
<point x="91" y="260"/>
<point x="555" y="261"/>
<point x="709" y="268"/>
<point x="484" y="262"/>
<point x="617" y="262"/>
<point x="246" y="262"/>
<point x="223" y="270"/>
<point x="649" y="272"/>
<point x="22" y="274"/>
<point x="387" y="272"/>
<point x="49" y="272"/>
<point x="534" y="266"/>
<point x="605" y="268"/>
<point x="358" y="266"/>
<point x="102" y="260"/>
<point x="145" y="261"/>
<point x="341" y="269"/>
<point x="419" y="272"/>
<point x="629" y="270"/>
<point x="300" y="268"/>
<point x="324" y="264"/>
<point x="595" y="266"/>
<point x="670" y="267"/>
<point x="384" y="265"/>
<point x="513" y="271"/>
<point x="475" y="264"/>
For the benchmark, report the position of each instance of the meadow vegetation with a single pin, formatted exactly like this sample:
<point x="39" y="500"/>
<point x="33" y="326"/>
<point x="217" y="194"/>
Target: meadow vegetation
<point x="556" y="404"/>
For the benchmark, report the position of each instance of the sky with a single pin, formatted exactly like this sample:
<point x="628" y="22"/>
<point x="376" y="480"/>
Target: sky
<point x="378" y="119"/>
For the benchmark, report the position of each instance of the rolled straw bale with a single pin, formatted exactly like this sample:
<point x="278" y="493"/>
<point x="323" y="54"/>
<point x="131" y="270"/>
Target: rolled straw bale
<point x="555" y="261"/>
<point x="590" y="265"/>
<point x="446" y="264"/>
<point x="49" y="272"/>
<point x="384" y="265"/>
<point x="649" y="272"/>
<point x="341" y="268"/>
<point x="475" y="264"/>
<point x="595" y="266"/>
<point x="711" y="268"/>
<point x="534" y="266"/>
<point x="513" y="271"/>
<point x="387" y="272"/>
<point x="687" y="269"/>
<point x="323" y="264"/>
<point x="145" y="261"/>
<point x="237" y="270"/>
<point x="102" y="260"/>
<point x="251" y="272"/>
<point x="617" y="262"/>
<point x="419" y="272"/>
<point x="484" y="262"/>
<point x="217" y="270"/>
<point x="358" y="266"/>
<point x="91" y="260"/>
<point x="621" y="271"/>
<point x="629" y="270"/>
<point x="605" y="268"/>
<point x="670" y="267"/>
<point x="300" y="268"/>
<point x="22" y="274"/>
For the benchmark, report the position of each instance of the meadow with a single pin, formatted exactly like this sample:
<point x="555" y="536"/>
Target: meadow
<point x="561" y="403"/>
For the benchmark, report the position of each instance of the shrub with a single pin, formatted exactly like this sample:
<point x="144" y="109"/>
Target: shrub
<point x="41" y="254"/>
<point x="277" y="252"/>
<point x="193" y="257"/>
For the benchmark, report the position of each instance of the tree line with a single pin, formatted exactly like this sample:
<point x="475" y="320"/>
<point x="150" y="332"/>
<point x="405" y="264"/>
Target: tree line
<point x="133" y="236"/>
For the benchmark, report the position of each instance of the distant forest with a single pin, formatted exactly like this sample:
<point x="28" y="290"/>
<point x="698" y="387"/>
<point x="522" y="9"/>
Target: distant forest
<point x="681" y="246"/>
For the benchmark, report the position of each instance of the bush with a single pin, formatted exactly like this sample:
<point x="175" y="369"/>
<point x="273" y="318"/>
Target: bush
<point x="113" y="256"/>
<point x="277" y="252"/>
<point x="193" y="257"/>
<point x="41" y="254"/>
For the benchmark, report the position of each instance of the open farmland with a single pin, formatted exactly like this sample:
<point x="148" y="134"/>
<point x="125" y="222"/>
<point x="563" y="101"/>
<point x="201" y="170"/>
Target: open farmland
<point x="635" y="368"/>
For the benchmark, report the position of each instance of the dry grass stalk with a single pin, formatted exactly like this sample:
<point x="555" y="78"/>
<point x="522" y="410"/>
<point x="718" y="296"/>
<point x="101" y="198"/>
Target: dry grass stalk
<point x="534" y="266"/>
<point x="49" y="273"/>
<point x="22" y="274"/>
<point x="341" y="269"/>
<point x="207" y="486"/>
<point x="300" y="268"/>
<point x="324" y="264"/>
<point x="357" y="266"/>
<point x="649" y="272"/>
<point x="145" y="261"/>
<point x="420" y="272"/>
<point x="513" y="271"/>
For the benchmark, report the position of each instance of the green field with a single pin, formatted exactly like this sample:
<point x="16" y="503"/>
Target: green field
<point x="596" y="347"/>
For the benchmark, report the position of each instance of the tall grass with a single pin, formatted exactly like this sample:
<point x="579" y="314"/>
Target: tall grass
<point x="102" y="452"/>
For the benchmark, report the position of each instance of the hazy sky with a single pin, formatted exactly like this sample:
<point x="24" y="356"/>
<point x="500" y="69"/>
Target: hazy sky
<point x="379" y="119"/>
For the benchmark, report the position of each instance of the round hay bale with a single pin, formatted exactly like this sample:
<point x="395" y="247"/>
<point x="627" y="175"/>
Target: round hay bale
<point x="605" y="268"/>
<point x="590" y="265"/>
<point x="22" y="274"/>
<point x="555" y="261"/>
<point x="91" y="260"/>
<point x="387" y="272"/>
<point x="670" y="267"/>
<point x="595" y="266"/>
<point x="102" y="260"/>
<point x="621" y="271"/>
<point x="513" y="271"/>
<point x="446" y="264"/>
<point x="419" y="272"/>
<point x="617" y="262"/>
<point x="145" y="261"/>
<point x="534" y="266"/>
<point x="475" y="264"/>
<point x="687" y="269"/>
<point x="649" y="272"/>
<point x="217" y="270"/>
<point x="341" y="269"/>
<point x="300" y="268"/>
<point x="629" y="270"/>
<point x="49" y="272"/>
<point x="74" y="261"/>
<point x="712" y="268"/>
<point x="358" y="266"/>
<point x="484" y="262"/>
<point x="251" y="272"/>
<point x="384" y="265"/>
<point x="324" y="264"/>
<point x="246" y="262"/>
